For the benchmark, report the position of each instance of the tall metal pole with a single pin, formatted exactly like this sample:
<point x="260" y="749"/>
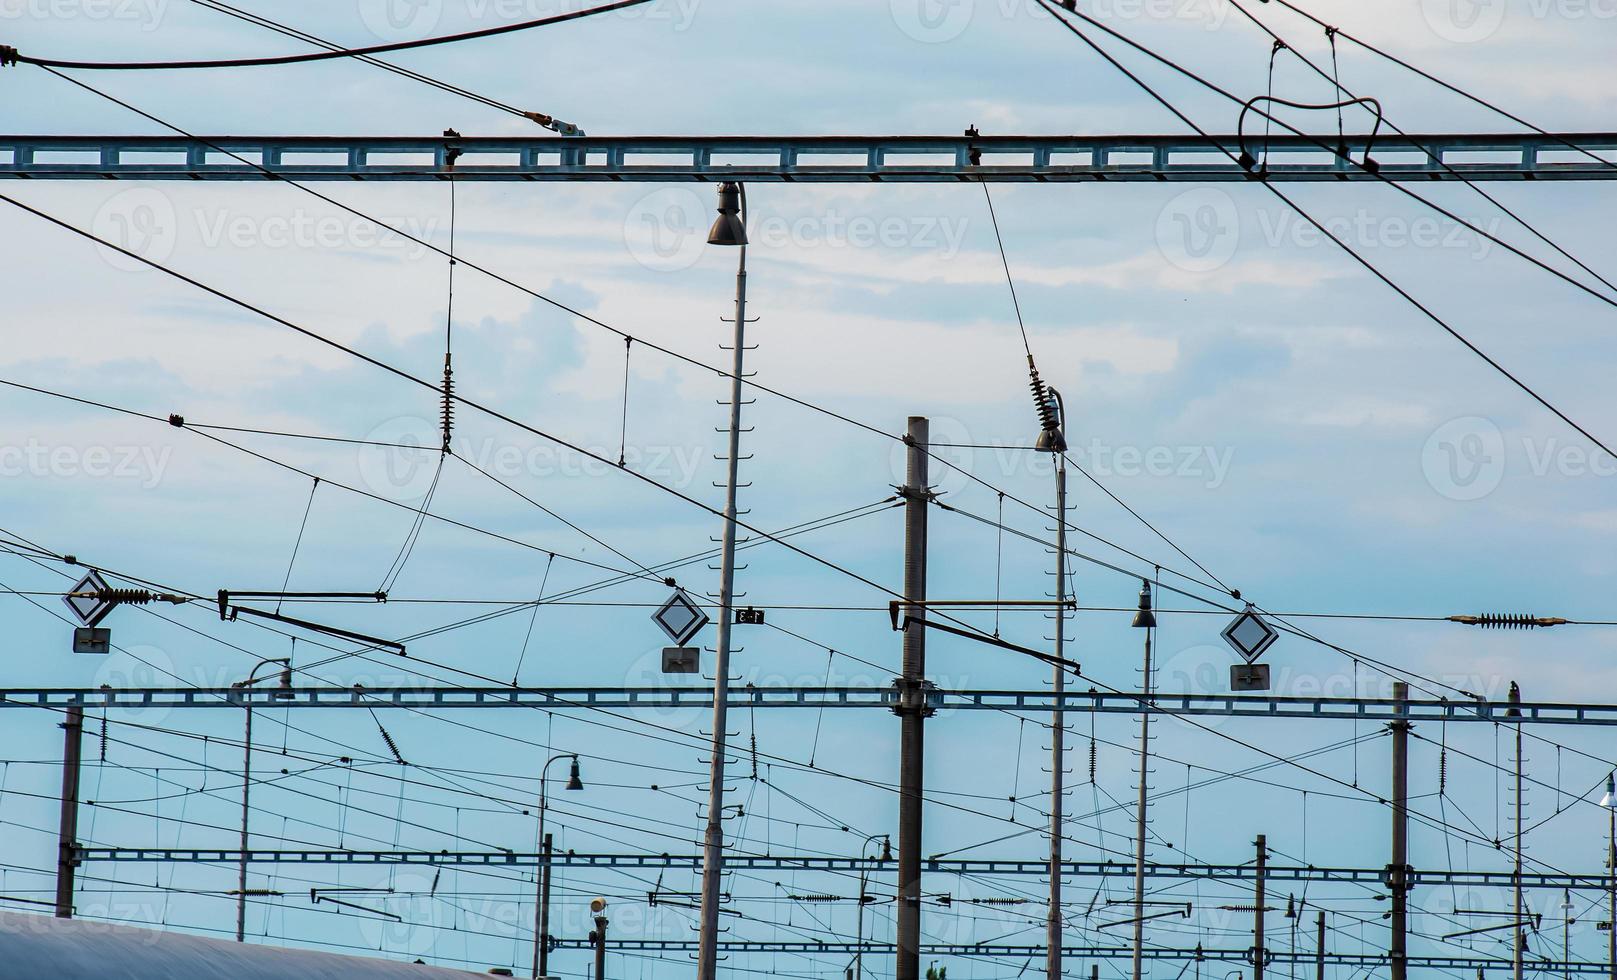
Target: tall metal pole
<point x="864" y="885"/>
<point x="1566" y="932"/>
<point x="1516" y="874"/>
<point x="1397" y="873"/>
<point x="68" y="835"/>
<point x="858" y="969"/>
<point x="1258" y="950"/>
<point x="246" y="787"/>
<point x="541" y="930"/>
<point x="600" y="947"/>
<point x="1058" y="730"/>
<point x="1611" y="876"/>
<point x="1518" y="931"/>
<point x="713" y="841"/>
<point x="912" y="706"/>
<point x="541" y="907"/>
<point x="247" y="782"/>
<point x="1139" y="817"/>
<point x="1319" y="956"/>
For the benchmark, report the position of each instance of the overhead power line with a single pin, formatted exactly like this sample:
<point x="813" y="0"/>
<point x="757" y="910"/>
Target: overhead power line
<point x="12" y="55"/>
<point x="1353" y="253"/>
<point x="261" y="21"/>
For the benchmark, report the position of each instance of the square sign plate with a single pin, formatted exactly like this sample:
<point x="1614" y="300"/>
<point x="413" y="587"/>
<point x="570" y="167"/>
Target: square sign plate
<point x="88" y="609"/>
<point x="681" y="660"/>
<point x="680" y="618"/>
<point x="89" y="639"/>
<point x="1249" y="677"/>
<point x="1250" y="635"/>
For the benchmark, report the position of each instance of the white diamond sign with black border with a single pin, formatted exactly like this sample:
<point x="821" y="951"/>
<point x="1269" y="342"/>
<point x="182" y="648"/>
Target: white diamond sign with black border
<point x="1250" y="635"/>
<point x="89" y="609"/>
<point x="680" y="618"/>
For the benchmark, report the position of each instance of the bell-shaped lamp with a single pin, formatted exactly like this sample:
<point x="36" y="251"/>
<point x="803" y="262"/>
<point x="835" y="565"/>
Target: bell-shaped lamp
<point x="729" y="228"/>
<point x="1144" y="618"/>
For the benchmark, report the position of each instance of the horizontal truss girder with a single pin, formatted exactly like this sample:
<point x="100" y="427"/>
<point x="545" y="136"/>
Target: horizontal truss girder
<point x="1468" y="964"/>
<point x="860" y="159"/>
<point x="556" y="699"/>
<point x="754" y="862"/>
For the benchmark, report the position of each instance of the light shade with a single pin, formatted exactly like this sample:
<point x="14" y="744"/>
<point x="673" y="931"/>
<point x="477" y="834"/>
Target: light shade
<point x="573" y="782"/>
<point x="728" y="228"/>
<point x="1610" y="799"/>
<point x="1144" y="618"/>
<point x="1051" y="441"/>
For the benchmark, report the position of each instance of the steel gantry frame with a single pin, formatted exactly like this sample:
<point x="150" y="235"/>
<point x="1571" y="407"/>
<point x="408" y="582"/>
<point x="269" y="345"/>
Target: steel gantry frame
<point x="861" y="159"/>
<point x="664" y="698"/>
<point x="1352" y="961"/>
<point x="842" y="865"/>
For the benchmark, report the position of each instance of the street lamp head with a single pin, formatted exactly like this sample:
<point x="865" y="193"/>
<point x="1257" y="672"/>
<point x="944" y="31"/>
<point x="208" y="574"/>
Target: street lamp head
<point x="1144" y="618"/>
<point x="729" y="228"/>
<point x="573" y="782"/>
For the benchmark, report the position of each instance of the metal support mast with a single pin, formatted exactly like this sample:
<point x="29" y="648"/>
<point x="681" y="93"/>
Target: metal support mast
<point x="912" y="702"/>
<point x="1144" y="619"/>
<point x="1259" y="953"/>
<point x="1398" y="871"/>
<point x="1058" y="729"/>
<point x="732" y="205"/>
<point x="1518" y="931"/>
<point x="599" y="938"/>
<point x="1319" y="962"/>
<point x="67" y="839"/>
<point x="1611" y="873"/>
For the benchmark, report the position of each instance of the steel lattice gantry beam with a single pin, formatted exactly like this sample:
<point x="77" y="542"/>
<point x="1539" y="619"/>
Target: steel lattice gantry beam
<point x="845" y="865"/>
<point x="666" y="698"/>
<point x="861" y="159"/>
<point x="1354" y="961"/>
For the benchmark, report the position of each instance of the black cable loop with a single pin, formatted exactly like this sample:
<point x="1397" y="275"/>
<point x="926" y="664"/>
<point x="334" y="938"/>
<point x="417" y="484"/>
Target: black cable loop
<point x="1248" y="162"/>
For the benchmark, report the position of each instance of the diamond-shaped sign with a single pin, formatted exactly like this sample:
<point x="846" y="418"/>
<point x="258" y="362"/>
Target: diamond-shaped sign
<point x="88" y="609"/>
<point x="1250" y="635"/>
<point x="680" y="618"/>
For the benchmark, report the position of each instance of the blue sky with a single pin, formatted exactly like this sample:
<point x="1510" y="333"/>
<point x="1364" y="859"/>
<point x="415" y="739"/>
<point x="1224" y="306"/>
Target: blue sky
<point x="1316" y="443"/>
